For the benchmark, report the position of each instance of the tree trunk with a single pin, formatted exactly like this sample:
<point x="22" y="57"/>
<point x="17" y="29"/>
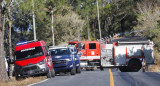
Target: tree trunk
<point x="10" y="43"/>
<point x="3" y="72"/>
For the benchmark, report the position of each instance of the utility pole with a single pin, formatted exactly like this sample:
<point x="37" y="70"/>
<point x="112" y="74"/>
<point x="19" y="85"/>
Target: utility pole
<point x="88" y="31"/>
<point x="98" y="21"/>
<point x="52" y="28"/>
<point x="33" y="16"/>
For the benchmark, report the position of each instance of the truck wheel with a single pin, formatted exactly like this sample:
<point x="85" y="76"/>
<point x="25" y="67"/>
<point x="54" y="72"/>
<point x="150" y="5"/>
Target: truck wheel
<point x="92" y="69"/>
<point x="101" y="68"/>
<point x="49" y="74"/>
<point x="123" y="68"/>
<point x="53" y="73"/>
<point x="78" y="69"/>
<point x="87" y="69"/>
<point x="134" y="66"/>
<point x="18" y="78"/>
<point x="73" y="70"/>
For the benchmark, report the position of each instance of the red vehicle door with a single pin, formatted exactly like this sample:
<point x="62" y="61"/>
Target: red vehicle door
<point x="84" y="51"/>
<point x="93" y="50"/>
<point x="48" y="58"/>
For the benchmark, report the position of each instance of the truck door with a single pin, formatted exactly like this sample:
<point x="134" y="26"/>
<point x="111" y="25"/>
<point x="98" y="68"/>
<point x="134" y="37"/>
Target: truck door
<point x="48" y="58"/>
<point x="84" y="51"/>
<point x="93" y="51"/>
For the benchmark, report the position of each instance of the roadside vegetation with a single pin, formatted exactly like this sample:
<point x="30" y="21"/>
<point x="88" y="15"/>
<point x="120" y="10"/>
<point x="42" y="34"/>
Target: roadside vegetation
<point x="23" y="82"/>
<point x="155" y="68"/>
<point x="75" y="20"/>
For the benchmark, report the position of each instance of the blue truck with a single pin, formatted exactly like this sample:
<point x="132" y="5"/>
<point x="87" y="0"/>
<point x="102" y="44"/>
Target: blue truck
<point x="65" y="59"/>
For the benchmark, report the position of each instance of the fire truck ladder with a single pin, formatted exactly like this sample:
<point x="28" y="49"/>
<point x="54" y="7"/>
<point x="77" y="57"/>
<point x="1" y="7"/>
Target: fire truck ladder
<point x="135" y="42"/>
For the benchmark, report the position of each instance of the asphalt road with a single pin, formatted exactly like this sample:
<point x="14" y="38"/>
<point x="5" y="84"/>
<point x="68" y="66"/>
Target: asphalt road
<point x="108" y="77"/>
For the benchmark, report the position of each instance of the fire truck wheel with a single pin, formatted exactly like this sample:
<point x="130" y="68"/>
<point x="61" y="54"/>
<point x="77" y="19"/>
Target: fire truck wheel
<point x="73" y="70"/>
<point x="53" y="73"/>
<point x="101" y="68"/>
<point x="134" y="65"/>
<point x="123" y="68"/>
<point x="78" y="69"/>
<point x="49" y="74"/>
<point x="87" y="69"/>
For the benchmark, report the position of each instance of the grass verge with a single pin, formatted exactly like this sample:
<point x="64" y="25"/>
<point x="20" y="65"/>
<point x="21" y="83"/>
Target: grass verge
<point x="155" y="68"/>
<point x="23" y="82"/>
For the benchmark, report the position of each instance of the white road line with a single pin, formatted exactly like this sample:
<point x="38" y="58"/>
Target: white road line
<point x="38" y="82"/>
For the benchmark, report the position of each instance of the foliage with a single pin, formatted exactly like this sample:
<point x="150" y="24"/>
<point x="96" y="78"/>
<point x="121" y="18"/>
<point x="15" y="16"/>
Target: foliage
<point x="67" y="26"/>
<point x="70" y="18"/>
<point x="148" y="16"/>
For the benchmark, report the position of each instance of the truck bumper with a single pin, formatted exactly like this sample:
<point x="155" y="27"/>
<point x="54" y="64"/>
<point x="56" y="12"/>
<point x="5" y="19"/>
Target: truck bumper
<point x="31" y="70"/>
<point x="63" y="67"/>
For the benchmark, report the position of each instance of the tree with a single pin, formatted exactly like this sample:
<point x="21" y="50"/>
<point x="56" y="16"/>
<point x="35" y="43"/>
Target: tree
<point x="68" y="25"/>
<point x="148" y="17"/>
<point x="3" y="72"/>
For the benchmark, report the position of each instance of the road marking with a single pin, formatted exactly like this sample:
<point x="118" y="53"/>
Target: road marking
<point x="38" y="82"/>
<point x="111" y="78"/>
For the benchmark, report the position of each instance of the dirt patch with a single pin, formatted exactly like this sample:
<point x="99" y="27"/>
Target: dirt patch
<point x="23" y="82"/>
<point x="154" y="68"/>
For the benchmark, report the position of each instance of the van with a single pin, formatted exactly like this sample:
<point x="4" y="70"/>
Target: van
<point x="32" y="58"/>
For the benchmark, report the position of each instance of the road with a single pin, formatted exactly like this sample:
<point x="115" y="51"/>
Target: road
<point x="108" y="77"/>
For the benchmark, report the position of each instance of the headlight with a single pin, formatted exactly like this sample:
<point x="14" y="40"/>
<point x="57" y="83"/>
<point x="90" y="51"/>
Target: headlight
<point x="42" y="62"/>
<point x="69" y="59"/>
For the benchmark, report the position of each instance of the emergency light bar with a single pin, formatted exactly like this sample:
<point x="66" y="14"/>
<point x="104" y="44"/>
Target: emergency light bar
<point x="25" y="42"/>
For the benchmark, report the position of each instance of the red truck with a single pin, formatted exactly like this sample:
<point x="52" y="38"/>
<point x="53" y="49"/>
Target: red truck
<point x="128" y="56"/>
<point x="32" y="58"/>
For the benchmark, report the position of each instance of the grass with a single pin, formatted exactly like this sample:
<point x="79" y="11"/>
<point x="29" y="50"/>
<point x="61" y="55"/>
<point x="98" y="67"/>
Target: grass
<point x="155" y="68"/>
<point x="23" y="82"/>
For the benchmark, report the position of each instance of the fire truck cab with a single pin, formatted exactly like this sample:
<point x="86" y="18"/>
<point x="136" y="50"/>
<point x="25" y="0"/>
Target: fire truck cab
<point x="90" y="50"/>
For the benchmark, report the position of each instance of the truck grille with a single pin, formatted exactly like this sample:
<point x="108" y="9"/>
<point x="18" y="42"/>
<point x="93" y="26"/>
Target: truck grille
<point x="59" y="62"/>
<point x="30" y="68"/>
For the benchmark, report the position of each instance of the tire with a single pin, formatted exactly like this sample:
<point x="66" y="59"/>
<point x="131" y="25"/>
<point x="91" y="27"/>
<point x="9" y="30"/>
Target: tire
<point x="101" y="68"/>
<point x="52" y="73"/>
<point x="49" y="74"/>
<point x="92" y="69"/>
<point x="134" y="66"/>
<point x="87" y="69"/>
<point x="18" y="78"/>
<point x="78" y="70"/>
<point x="73" y="70"/>
<point x="123" y="68"/>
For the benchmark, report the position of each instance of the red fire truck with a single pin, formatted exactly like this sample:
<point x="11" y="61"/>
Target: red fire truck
<point x="32" y="58"/>
<point x="126" y="55"/>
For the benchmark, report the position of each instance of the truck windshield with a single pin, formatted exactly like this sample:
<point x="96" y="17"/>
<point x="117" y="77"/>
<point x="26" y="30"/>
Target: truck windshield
<point x="28" y="53"/>
<point x="61" y="51"/>
<point x="73" y="44"/>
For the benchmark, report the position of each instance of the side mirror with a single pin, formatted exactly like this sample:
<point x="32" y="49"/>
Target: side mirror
<point x="48" y="53"/>
<point x="79" y="54"/>
<point x="73" y="53"/>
